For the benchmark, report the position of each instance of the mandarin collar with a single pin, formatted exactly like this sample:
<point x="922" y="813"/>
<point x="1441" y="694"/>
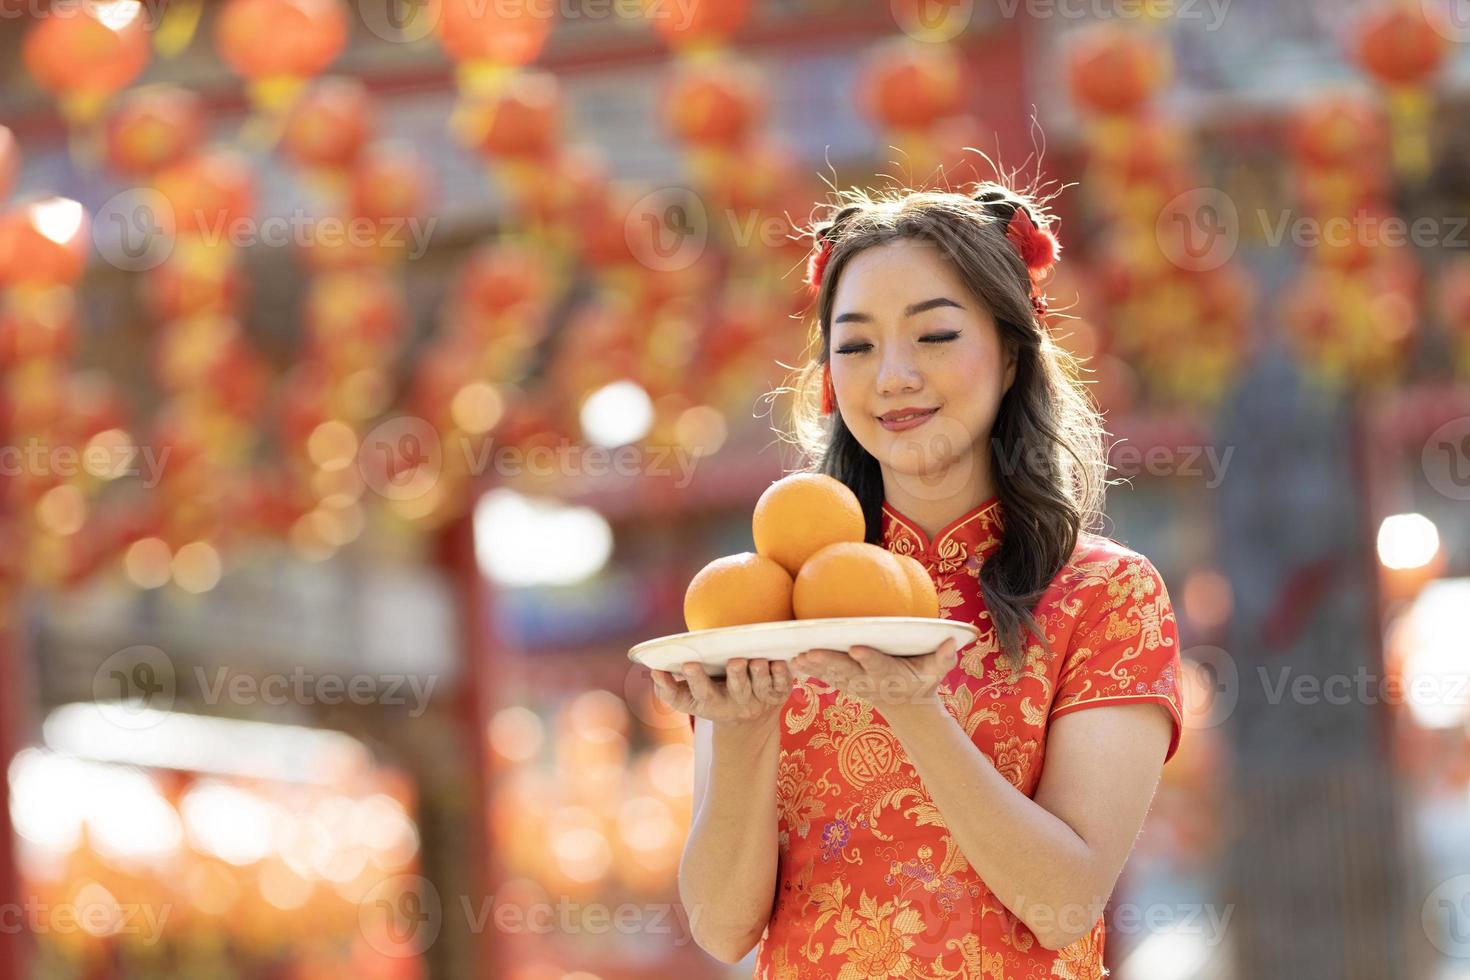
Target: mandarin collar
<point x="975" y="532"/>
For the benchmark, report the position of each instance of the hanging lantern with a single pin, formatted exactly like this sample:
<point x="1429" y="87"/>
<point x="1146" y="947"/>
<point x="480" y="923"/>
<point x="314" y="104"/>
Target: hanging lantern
<point x="37" y="322"/>
<point x="713" y="104"/>
<point x="84" y="53"/>
<point x="153" y="127"/>
<point x="559" y="190"/>
<point x="275" y="45"/>
<point x="328" y="127"/>
<point x="1403" y="52"/>
<point x="910" y="85"/>
<point x="483" y="35"/>
<point x="389" y="183"/>
<point x="208" y="192"/>
<point x="518" y="121"/>
<point x="700" y="26"/>
<point x="44" y="242"/>
<point x="1114" y="70"/>
<point x="496" y="279"/>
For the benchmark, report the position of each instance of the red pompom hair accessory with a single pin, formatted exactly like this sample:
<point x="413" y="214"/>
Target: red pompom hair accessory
<point x="1038" y="249"/>
<point x="829" y="397"/>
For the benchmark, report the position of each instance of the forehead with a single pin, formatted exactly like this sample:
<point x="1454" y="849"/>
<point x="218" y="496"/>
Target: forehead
<point x="897" y="272"/>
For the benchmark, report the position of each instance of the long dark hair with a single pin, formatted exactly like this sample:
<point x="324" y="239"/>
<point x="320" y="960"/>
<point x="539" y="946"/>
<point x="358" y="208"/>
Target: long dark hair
<point x="1048" y="459"/>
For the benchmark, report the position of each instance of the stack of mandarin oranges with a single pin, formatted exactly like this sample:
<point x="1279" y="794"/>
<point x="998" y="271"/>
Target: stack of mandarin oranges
<point x="810" y="562"/>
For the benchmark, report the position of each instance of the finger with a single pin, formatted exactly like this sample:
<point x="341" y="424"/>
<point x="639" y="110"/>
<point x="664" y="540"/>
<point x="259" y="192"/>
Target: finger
<point x="701" y="687"/>
<point x="782" y="680"/>
<point x="671" y="692"/>
<point x="737" y="680"/>
<point x="760" y="681"/>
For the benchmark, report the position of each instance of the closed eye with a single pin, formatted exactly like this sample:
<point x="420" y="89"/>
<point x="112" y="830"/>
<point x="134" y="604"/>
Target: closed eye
<point x="933" y="338"/>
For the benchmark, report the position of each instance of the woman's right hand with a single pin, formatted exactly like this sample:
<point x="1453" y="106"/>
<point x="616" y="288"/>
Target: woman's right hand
<point x="751" y="691"/>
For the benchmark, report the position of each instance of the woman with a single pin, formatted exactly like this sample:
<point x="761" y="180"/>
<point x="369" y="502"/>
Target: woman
<point x="957" y="814"/>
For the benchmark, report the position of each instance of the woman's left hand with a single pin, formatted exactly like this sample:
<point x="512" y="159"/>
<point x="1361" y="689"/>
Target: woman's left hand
<point x="878" y="678"/>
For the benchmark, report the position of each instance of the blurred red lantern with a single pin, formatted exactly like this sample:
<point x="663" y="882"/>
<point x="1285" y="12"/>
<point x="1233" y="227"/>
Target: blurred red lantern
<point x="153" y="127"/>
<point x="38" y="322"/>
<point x="520" y="120"/>
<point x="350" y="310"/>
<point x="280" y="39"/>
<point x="44" y="242"/>
<point x="907" y="84"/>
<point x="1338" y="130"/>
<point x="83" y="53"/>
<point x="208" y="192"/>
<point x="560" y="189"/>
<point x="388" y="182"/>
<point x="199" y="277"/>
<point x="473" y="31"/>
<point x="1452" y="298"/>
<point x="329" y="125"/>
<point x="713" y="104"/>
<point x="1396" y="44"/>
<point x="700" y="24"/>
<point x="1114" y="70"/>
<point x="498" y="278"/>
<point x="9" y="162"/>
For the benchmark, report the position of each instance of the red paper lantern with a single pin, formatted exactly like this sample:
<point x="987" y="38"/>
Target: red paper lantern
<point x="153" y="127"/>
<point x="273" y="39"/>
<point x="44" y="242"/>
<point x="474" y="31"/>
<point x="1114" y="70"/>
<point x="38" y="323"/>
<point x="87" y="50"/>
<point x="208" y="192"/>
<point x="1396" y="44"/>
<point x="520" y="121"/>
<point x="700" y="24"/>
<point x="907" y="84"/>
<point x="329" y="125"/>
<point x="1338" y="130"/>
<point x="351" y="309"/>
<point x="559" y="190"/>
<point x="499" y="278"/>
<point x="389" y="182"/>
<point x="713" y="104"/>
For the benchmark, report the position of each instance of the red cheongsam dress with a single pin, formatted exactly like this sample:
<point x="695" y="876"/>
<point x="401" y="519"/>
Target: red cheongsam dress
<point x="870" y="882"/>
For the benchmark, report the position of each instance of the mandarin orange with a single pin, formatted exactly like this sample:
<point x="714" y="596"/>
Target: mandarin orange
<point x="798" y="515"/>
<point x="925" y="596"/>
<point x="852" y="578"/>
<point x="736" y="590"/>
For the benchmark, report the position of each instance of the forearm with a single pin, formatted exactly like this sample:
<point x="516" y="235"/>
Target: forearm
<point x="1033" y="862"/>
<point x="727" y="877"/>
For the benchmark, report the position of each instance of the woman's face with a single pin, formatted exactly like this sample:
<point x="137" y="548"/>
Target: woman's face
<point x="907" y="334"/>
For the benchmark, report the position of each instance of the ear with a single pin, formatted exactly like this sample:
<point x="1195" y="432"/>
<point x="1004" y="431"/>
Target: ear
<point x="1012" y="360"/>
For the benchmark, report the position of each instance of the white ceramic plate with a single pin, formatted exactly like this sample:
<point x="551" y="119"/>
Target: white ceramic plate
<point x="904" y="636"/>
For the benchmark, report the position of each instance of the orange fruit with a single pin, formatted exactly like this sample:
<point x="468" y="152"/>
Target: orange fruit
<point x="735" y="590"/>
<point x="852" y="578"/>
<point x="925" y="596"/>
<point x="803" y="513"/>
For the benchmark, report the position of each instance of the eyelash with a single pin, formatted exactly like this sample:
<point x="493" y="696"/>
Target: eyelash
<point x="933" y="338"/>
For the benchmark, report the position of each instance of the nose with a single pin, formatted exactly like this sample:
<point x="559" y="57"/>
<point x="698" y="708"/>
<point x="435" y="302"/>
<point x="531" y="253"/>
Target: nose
<point x="897" y="372"/>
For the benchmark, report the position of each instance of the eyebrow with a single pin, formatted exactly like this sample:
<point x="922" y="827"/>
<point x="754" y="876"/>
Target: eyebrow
<point x="911" y="310"/>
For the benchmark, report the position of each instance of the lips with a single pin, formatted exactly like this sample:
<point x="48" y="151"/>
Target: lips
<point x="906" y="418"/>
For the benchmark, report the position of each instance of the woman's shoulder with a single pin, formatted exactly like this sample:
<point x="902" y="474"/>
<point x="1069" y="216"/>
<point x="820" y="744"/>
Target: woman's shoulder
<point x="1108" y="568"/>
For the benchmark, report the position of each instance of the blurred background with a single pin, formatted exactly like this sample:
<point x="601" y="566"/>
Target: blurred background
<point x="376" y="373"/>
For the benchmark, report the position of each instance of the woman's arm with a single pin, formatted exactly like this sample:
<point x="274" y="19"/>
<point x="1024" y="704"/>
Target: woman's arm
<point x="727" y="875"/>
<point x="1052" y="860"/>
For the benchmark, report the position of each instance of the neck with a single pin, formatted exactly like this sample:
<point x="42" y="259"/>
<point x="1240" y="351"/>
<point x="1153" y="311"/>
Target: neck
<point x="934" y="500"/>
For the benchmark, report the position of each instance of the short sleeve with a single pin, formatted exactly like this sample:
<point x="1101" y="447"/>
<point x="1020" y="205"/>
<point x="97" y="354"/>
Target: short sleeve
<point x="1125" y="649"/>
